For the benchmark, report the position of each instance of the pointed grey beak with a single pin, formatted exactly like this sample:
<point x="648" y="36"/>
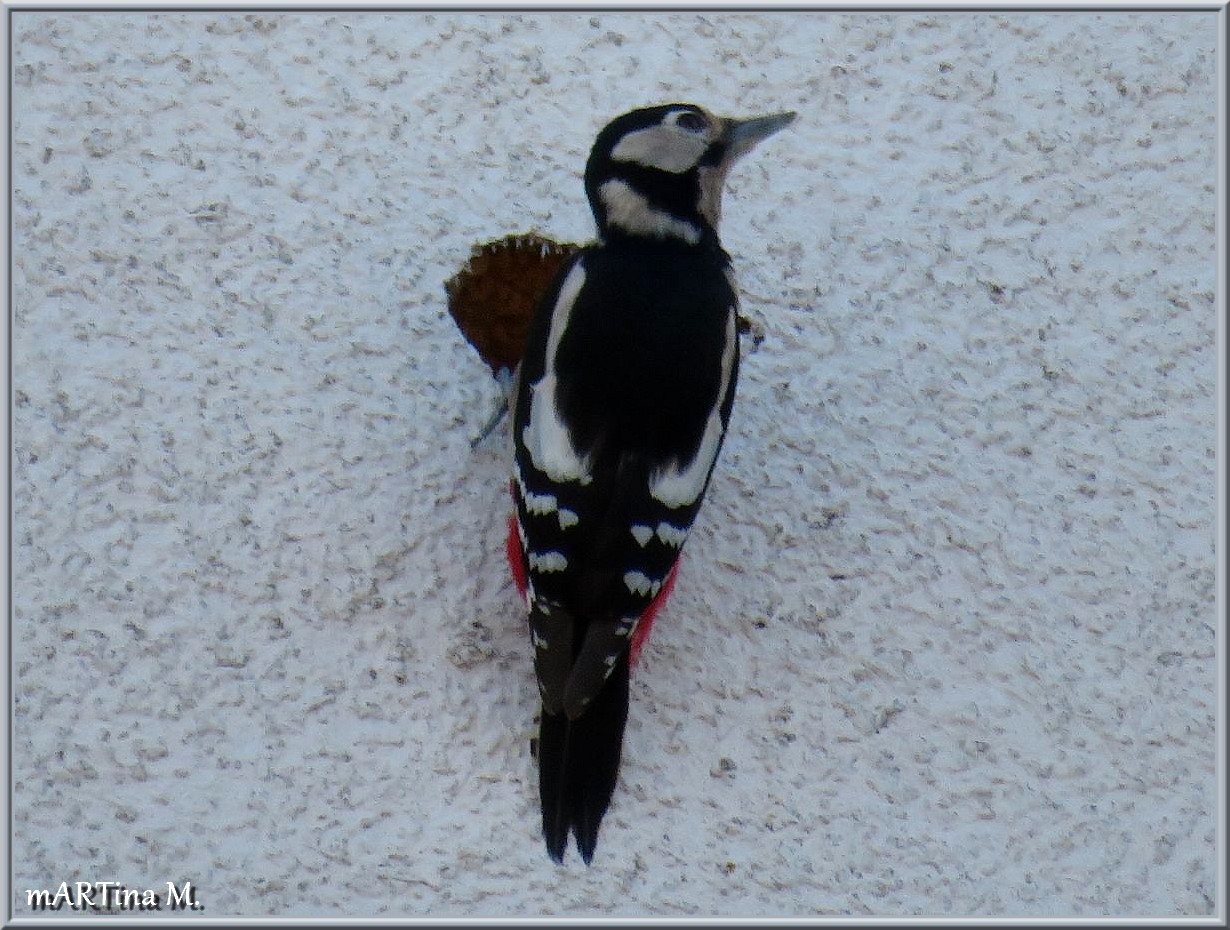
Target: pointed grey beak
<point x="742" y="135"/>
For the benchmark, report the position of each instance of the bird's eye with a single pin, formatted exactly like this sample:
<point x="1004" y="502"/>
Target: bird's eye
<point x="692" y="122"/>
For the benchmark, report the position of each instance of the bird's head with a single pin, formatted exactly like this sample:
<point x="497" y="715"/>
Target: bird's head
<point x="658" y="172"/>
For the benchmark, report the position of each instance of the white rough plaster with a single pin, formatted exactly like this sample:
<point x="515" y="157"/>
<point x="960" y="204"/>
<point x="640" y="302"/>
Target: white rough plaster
<point x="944" y="637"/>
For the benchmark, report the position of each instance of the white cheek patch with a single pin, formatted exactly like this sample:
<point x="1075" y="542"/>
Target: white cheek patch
<point x="679" y="485"/>
<point x="663" y="147"/>
<point x="630" y="211"/>
<point x="546" y="437"/>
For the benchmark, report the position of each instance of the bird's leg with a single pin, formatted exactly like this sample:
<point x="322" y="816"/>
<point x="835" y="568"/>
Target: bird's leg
<point x="753" y="328"/>
<point x="504" y="378"/>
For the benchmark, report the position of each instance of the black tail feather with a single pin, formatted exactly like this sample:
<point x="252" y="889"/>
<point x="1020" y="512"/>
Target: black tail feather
<point x="578" y="764"/>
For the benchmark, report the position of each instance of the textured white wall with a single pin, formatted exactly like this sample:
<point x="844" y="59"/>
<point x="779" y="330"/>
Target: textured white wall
<point x="943" y="642"/>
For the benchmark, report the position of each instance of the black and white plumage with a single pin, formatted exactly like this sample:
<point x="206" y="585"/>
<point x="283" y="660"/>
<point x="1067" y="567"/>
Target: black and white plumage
<point x="621" y="405"/>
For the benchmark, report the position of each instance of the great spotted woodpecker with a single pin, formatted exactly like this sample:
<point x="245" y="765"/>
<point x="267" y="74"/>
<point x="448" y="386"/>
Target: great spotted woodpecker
<point x="619" y="410"/>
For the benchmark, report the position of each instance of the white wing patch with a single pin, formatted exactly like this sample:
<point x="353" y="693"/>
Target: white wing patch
<point x="642" y="534"/>
<point x="543" y="562"/>
<point x="543" y="504"/>
<point x="539" y="504"/>
<point x="679" y="485"/>
<point x="642" y="584"/>
<point x="672" y="535"/>
<point x="546" y="437"/>
<point x="628" y="210"/>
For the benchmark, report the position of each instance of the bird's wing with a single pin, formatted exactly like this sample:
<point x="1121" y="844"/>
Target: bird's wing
<point x="636" y="542"/>
<point x="554" y="489"/>
<point x="601" y="522"/>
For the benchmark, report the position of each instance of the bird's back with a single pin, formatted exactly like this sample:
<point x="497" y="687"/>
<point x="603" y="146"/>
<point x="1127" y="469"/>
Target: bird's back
<point x="644" y="349"/>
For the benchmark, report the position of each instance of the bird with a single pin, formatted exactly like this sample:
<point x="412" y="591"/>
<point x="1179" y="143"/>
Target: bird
<point x="620" y="405"/>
